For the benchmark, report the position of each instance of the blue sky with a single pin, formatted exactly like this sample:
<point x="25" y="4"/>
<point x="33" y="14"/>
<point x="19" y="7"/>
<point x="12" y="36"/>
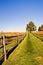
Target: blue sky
<point x="15" y="14"/>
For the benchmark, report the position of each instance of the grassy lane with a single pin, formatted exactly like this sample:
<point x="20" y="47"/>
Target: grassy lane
<point x="29" y="52"/>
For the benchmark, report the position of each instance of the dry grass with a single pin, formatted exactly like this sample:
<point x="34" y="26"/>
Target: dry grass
<point x="40" y="59"/>
<point x="39" y="32"/>
<point x="29" y="52"/>
<point x="12" y="33"/>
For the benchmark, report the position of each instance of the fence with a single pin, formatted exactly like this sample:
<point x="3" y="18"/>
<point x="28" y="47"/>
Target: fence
<point x="38" y="36"/>
<point x="5" y="53"/>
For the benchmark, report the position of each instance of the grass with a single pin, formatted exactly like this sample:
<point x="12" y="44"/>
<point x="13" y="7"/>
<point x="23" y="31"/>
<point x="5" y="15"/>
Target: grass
<point x="39" y="34"/>
<point x="8" y="47"/>
<point x="29" y="52"/>
<point x="11" y="45"/>
<point x="1" y="52"/>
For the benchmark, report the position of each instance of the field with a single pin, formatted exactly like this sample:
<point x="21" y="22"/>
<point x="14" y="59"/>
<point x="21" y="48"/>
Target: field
<point x="11" y="40"/>
<point x="11" y="33"/>
<point x="10" y="36"/>
<point x="39" y="35"/>
<point x="8" y="47"/>
<point x="29" y="52"/>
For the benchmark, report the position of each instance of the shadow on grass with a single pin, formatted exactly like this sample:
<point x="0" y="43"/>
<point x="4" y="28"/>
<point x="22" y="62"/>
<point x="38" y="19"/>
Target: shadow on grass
<point x="9" y="52"/>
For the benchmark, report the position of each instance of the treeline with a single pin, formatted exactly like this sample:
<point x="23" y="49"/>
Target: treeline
<point x="32" y="27"/>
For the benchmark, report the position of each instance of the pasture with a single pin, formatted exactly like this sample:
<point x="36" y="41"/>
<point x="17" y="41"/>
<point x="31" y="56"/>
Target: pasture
<point x="10" y="41"/>
<point x="39" y="34"/>
<point x="29" y="52"/>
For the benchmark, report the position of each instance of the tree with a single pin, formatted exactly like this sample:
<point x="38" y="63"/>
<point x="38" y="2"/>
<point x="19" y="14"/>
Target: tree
<point x="30" y="26"/>
<point x="40" y="28"/>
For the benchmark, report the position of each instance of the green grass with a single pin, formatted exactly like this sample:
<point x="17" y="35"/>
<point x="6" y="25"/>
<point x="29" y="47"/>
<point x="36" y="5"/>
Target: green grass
<point x="29" y="52"/>
<point x="40" y="36"/>
<point x="0" y="52"/>
<point x="9" y="46"/>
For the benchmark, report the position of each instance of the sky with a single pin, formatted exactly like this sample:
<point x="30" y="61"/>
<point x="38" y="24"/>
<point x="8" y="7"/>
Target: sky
<point x="15" y="14"/>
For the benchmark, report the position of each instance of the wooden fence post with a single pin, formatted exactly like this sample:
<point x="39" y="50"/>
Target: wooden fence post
<point x="4" y="49"/>
<point x="18" y="39"/>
